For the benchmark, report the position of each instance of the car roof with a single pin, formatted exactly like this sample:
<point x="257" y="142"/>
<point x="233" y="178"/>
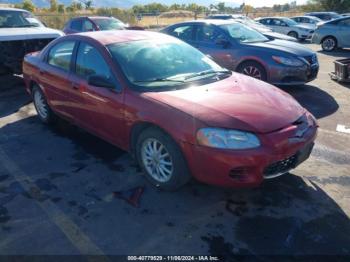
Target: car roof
<point x="209" y="21"/>
<point x="307" y="16"/>
<point x="319" y="13"/>
<point x="13" y="9"/>
<point x="120" y="36"/>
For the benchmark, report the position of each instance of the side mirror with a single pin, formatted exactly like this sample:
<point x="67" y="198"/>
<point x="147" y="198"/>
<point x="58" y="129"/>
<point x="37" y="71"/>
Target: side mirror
<point x="222" y="42"/>
<point x="100" y="81"/>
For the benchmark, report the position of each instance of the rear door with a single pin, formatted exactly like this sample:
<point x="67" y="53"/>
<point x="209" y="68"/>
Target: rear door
<point x="101" y="109"/>
<point x="54" y="77"/>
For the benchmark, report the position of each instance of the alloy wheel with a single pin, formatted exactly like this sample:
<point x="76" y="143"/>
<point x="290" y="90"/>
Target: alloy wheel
<point x="40" y="105"/>
<point x="328" y="44"/>
<point x="157" y="160"/>
<point x="252" y="71"/>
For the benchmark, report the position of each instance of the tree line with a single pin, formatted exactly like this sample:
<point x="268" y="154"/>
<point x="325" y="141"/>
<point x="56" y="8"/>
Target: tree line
<point x="221" y="7"/>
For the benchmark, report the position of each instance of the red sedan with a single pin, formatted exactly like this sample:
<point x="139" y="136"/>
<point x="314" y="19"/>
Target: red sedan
<point x="178" y="112"/>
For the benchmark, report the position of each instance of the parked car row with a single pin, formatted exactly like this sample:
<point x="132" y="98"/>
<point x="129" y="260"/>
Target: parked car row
<point x="132" y="88"/>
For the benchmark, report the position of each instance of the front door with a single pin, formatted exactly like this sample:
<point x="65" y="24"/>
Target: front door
<point x="215" y="43"/>
<point x="101" y="108"/>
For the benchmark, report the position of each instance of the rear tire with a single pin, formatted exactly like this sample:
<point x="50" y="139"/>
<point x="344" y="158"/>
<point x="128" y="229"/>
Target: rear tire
<point x="253" y="69"/>
<point x="161" y="159"/>
<point x="329" y="44"/>
<point x="45" y="114"/>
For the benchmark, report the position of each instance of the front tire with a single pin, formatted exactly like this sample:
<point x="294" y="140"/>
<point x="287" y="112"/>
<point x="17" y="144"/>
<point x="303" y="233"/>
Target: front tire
<point x="253" y="69"/>
<point x="293" y="34"/>
<point x="161" y="160"/>
<point x="43" y="110"/>
<point x="329" y="44"/>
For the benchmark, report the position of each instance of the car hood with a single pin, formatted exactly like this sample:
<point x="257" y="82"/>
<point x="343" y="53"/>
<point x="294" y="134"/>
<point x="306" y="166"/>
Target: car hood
<point x="237" y="102"/>
<point x="285" y="46"/>
<point x="11" y="34"/>
<point x="305" y="26"/>
<point x="279" y="36"/>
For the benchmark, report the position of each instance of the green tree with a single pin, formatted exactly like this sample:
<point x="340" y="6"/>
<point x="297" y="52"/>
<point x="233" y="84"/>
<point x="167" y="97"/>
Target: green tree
<point x="28" y="5"/>
<point x="53" y="6"/>
<point x="60" y="8"/>
<point x="333" y="5"/>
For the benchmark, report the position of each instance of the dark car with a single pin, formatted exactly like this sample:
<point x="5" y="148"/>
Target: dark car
<point x="177" y="111"/>
<point x="95" y="23"/>
<point x="242" y="49"/>
<point x="325" y="16"/>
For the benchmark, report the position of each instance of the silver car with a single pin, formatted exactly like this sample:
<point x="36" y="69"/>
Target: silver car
<point x="307" y="20"/>
<point x="287" y="26"/>
<point x="333" y="34"/>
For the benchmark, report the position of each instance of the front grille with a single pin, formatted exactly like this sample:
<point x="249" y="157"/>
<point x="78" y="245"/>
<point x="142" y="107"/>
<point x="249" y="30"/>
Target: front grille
<point x="280" y="167"/>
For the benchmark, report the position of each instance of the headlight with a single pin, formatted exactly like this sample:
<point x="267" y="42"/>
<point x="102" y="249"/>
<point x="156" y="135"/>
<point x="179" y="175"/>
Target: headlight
<point x="287" y="61"/>
<point x="227" y="139"/>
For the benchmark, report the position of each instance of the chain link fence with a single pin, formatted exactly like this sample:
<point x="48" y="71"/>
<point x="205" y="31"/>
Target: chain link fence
<point x="147" y="20"/>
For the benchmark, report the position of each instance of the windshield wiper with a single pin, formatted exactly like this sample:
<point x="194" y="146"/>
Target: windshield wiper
<point x="159" y="80"/>
<point x="207" y="72"/>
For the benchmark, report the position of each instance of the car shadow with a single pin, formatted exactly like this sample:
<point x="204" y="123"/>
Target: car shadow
<point x="12" y="94"/>
<point x="341" y="53"/>
<point x="314" y="99"/>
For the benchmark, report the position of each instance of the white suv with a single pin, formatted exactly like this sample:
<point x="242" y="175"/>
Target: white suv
<point x="21" y="33"/>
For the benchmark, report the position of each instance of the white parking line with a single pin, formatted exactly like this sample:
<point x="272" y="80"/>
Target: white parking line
<point x="73" y="233"/>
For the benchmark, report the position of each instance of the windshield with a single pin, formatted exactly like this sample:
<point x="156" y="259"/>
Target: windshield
<point x="159" y="63"/>
<point x="9" y="19"/>
<point x="243" y="33"/>
<point x="109" y="24"/>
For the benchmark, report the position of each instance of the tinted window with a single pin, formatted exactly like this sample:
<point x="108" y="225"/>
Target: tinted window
<point x="90" y="62"/>
<point x="10" y="19"/>
<point x="109" y="24"/>
<point x="60" y="55"/>
<point x="76" y="25"/>
<point x="87" y="26"/>
<point x="206" y="33"/>
<point x="345" y="23"/>
<point x="183" y="32"/>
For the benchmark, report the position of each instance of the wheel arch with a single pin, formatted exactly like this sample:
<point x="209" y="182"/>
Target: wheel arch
<point x="241" y="63"/>
<point x="137" y="129"/>
<point x="332" y="36"/>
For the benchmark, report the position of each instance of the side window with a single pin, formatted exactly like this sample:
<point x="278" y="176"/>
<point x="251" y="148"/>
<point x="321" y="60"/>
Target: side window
<point x="90" y="62"/>
<point x="297" y="19"/>
<point x="345" y="23"/>
<point x="61" y="54"/>
<point x="76" y="25"/>
<point x="206" y="33"/>
<point x="183" y="32"/>
<point x="87" y="26"/>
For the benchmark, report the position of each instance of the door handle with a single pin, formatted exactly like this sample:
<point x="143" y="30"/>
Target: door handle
<point x="42" y="72"/>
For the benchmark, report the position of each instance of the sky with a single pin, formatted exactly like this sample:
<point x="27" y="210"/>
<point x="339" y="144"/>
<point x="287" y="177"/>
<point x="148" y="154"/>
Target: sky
<point x="260" y="3"/>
